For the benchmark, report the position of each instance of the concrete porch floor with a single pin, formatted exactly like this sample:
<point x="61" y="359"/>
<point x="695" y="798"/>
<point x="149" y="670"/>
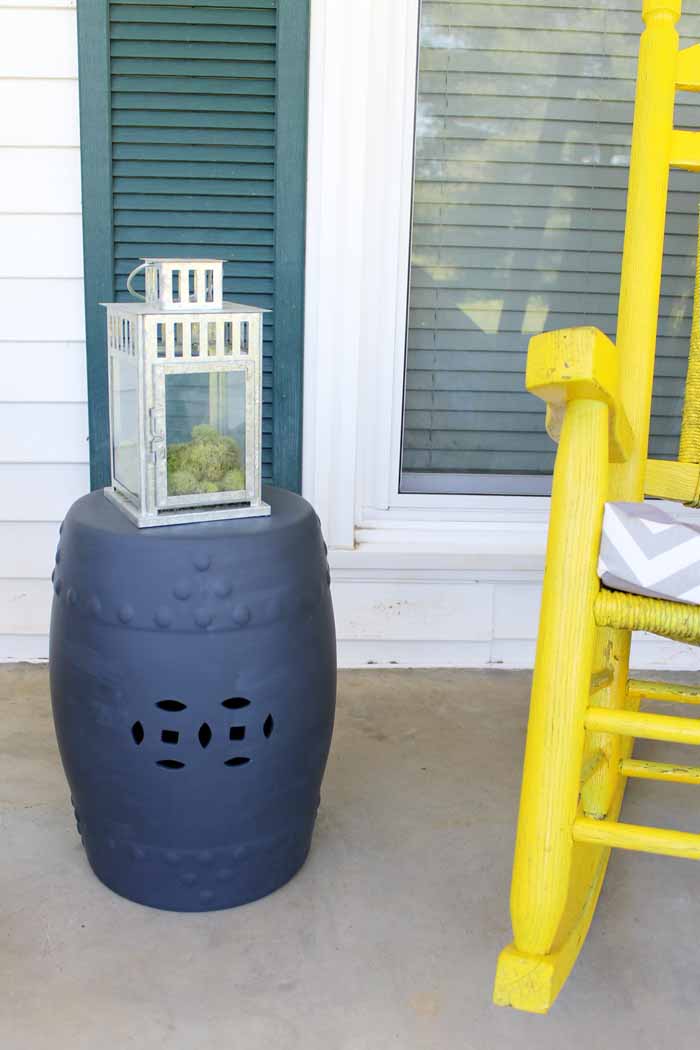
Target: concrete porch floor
<point x="388" y="937"/>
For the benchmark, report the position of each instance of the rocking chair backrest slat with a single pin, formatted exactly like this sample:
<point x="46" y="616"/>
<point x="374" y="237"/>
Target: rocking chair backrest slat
<point x="644" y="233"/>
<point x="689" y="449"/>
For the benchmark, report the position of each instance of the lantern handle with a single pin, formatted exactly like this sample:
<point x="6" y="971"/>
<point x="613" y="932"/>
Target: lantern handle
<point x="129" y="288"/>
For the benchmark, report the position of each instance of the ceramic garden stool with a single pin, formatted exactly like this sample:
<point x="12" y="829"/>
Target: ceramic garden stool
<point x="193" y="676"/>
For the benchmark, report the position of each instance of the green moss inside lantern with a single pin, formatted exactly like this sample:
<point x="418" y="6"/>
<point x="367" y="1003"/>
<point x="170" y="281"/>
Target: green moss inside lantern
<point x="210" y="462"/>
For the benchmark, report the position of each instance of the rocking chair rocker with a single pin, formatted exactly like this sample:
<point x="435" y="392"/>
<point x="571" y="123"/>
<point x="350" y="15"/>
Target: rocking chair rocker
<point x="584" y="712"/>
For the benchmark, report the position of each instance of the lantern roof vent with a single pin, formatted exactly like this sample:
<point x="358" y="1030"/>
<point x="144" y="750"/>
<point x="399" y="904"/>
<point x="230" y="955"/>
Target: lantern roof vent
<point x="181" y="285"/>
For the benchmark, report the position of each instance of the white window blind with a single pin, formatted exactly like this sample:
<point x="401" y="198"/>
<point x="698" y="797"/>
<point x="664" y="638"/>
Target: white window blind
<point x="523" y="126"/>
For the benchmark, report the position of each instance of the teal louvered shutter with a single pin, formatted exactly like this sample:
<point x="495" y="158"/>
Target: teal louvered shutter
<point x="523" y="127"/>
<point x="193" y="118"/>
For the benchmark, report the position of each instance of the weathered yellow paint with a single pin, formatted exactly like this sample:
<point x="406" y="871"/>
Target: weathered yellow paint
<point x="596" y="763"/>
<point x="561" y="683"/>
<point x="599" y="790"/>
<point x="644" y="233"/>
<point x="598" y="406"/>
<point x="600" y="680"/>
<point x="674" y="692"/>
<point x="578" y="364"/>
<point x="689" y="442"/>
<point x="675" y="774"/>
<point x="643" y="724"/>
<point x="668" y="479"/>
<point x="633" y="836"/>
<point x="635" y="612"/>
<point x="685" y="150"/>
<point x="532" y="982"/>
<point x="688" y="69"/>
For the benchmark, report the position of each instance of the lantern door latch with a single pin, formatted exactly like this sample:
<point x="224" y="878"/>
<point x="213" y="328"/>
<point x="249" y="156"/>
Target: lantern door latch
<point x="157" y="435"/>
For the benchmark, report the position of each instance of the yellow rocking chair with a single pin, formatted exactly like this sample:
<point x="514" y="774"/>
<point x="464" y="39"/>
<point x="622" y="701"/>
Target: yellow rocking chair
<point x="584" y="712"/>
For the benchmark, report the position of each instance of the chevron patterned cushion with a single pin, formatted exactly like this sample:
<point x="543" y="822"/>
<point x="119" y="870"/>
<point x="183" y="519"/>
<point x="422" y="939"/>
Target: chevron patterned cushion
<point x="646" y="550"/>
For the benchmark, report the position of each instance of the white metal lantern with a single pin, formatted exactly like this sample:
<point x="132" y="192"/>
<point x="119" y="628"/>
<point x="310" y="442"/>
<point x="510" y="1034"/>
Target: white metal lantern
<point x="185" y="398"/>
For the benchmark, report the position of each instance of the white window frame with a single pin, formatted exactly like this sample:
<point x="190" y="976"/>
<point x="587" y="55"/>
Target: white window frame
<point x="418" y="580"/>
<point x="362" y="99"/>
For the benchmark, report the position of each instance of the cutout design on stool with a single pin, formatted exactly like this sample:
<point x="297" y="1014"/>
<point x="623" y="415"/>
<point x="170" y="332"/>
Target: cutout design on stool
<point x="205" y="734"/>
<point x="170" y="736"/>
<point x="236" y="703"/>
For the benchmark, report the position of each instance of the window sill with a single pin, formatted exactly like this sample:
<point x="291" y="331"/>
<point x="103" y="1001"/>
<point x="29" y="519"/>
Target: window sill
<point x="480" y="548"/>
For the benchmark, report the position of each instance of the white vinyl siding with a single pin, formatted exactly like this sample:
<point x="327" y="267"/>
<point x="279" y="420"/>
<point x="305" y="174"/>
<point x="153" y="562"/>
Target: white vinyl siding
<point x="523" y="127"/>
<point x="43" y="410"/>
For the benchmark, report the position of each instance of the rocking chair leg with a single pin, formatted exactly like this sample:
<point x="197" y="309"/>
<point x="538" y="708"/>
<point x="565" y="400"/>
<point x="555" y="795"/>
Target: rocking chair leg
<point x="554" y="881"/>
<point x="602" y="788"/>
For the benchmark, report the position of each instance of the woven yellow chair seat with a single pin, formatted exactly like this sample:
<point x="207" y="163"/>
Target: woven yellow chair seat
<point x="632" y="612"/>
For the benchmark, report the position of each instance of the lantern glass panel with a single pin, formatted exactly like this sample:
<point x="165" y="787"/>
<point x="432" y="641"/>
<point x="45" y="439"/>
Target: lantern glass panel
<point x="205" y="424"/>
<point x="125" y="422"/>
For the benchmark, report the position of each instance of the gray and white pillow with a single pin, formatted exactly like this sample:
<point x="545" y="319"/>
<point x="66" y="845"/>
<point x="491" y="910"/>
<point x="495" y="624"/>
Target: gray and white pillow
<point x="645" y="550"/>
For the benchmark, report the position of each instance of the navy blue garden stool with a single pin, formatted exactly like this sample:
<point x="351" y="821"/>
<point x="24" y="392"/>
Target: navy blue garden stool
<point x="193" y="676"/>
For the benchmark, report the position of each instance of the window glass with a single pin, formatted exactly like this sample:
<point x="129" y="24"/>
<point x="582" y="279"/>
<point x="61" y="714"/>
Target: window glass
<point x="205" y="432"/>
<point x="523" y="127"/>
<point x="125" y="422"/>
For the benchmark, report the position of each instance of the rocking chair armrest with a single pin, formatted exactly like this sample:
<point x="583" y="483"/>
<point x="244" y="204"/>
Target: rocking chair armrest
<point x="578" y="364"/>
